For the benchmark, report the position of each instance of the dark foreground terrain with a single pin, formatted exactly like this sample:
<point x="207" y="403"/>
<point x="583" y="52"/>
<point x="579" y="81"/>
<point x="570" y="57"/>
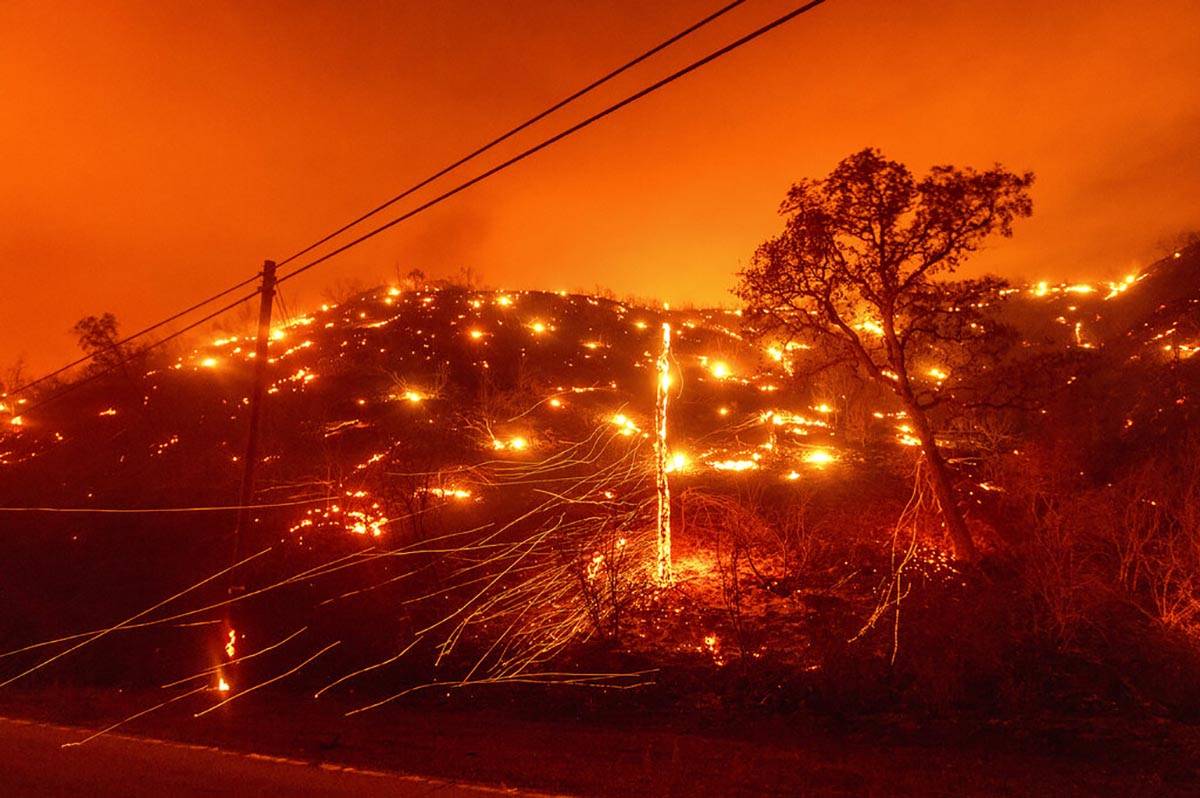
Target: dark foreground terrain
<point x="36" y="764"/>
<point x="442" y="752"/>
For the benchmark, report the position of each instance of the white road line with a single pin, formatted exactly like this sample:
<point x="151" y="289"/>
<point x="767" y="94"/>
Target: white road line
<point x="283" y="760"/>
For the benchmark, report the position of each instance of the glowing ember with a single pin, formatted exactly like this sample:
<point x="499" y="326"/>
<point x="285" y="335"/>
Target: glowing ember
<point x="515" y="444"/>
<point x="449" y="493"/>
<point x="734" y="465"/>
<point x="625" y="424"/>
<point x="819" y="457"/>
<point x="1116" y="289"/>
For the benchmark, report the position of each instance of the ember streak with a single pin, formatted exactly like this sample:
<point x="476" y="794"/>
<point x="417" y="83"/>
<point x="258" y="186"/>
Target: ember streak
<point x="883" y="440"/>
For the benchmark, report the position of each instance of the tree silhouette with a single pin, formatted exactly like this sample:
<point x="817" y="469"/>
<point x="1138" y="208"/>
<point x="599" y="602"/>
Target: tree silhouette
<point x="97" y="336"/>
<point x="853" y="272"/>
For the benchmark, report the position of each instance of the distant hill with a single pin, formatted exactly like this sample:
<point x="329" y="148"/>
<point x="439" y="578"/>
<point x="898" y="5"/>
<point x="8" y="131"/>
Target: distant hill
<point x="449" y="465"/>
<point x="451" y="378"/>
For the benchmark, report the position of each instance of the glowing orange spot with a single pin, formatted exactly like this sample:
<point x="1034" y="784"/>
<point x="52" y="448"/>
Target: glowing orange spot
<point x="819" y="457"/>
<point x="625" y="424"/>
<point x="678" y="462"/>
<point x="735" y="465"/>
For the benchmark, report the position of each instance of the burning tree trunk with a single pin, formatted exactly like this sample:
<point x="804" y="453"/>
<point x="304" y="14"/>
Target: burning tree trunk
<point x="943" y="488"/>
<point x="663" y="571"/>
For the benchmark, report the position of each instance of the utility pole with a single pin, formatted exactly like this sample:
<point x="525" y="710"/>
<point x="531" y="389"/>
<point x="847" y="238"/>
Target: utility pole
<point x="246" y="494"/>
<point x="663" y="571"/>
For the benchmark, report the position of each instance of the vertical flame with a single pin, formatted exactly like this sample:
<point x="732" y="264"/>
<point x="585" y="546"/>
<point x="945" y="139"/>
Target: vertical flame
<point x="663" y="570"/>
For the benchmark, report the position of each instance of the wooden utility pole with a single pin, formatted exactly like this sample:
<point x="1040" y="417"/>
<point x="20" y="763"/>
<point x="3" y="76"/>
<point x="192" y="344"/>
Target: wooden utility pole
<point x="663" y="571"/>
<point x="246" y="495"/>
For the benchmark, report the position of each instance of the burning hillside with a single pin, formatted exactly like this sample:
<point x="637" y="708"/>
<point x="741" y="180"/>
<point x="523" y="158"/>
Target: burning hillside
<point x="457" y="487"/>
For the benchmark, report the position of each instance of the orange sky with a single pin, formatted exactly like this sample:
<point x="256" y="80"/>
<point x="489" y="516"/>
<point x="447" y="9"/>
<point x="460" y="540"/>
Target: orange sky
<point x="156" y="152"/>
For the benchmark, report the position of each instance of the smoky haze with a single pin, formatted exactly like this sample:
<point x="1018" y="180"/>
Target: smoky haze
<point x="155" y="153"/>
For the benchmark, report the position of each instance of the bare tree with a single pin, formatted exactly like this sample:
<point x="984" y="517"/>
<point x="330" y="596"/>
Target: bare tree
<point x="343" y="290"/>
<point x="97" y="336"/>
<point x="13" y="375"/>
<point x="469" y="278"/>
<point x="414" y="280"/>
<point x="853" y="272"/>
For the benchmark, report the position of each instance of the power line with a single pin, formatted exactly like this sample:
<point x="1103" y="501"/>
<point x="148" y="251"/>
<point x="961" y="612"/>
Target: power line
<point x="632" y="98"/>
<point x="714" y="55"/>
<point x="105" y="371"/>
<point x="524" y="125"/>
<point x="407" y="192"/>
<point x="116" y="345"/>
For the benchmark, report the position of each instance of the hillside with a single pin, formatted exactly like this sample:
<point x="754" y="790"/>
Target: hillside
<point x="466" y="478"/>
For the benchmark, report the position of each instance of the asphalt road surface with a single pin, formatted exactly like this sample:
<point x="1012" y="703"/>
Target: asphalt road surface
<point x="34" y="763"/>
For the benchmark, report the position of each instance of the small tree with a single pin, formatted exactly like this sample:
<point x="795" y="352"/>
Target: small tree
<point x="415" y="280"/>
<point x="97" y="336"/>
<point x="13" y="375"/>
<point x="853" y="271"/>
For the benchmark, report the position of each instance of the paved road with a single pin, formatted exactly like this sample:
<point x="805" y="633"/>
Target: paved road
<point x="33" y="763"/>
